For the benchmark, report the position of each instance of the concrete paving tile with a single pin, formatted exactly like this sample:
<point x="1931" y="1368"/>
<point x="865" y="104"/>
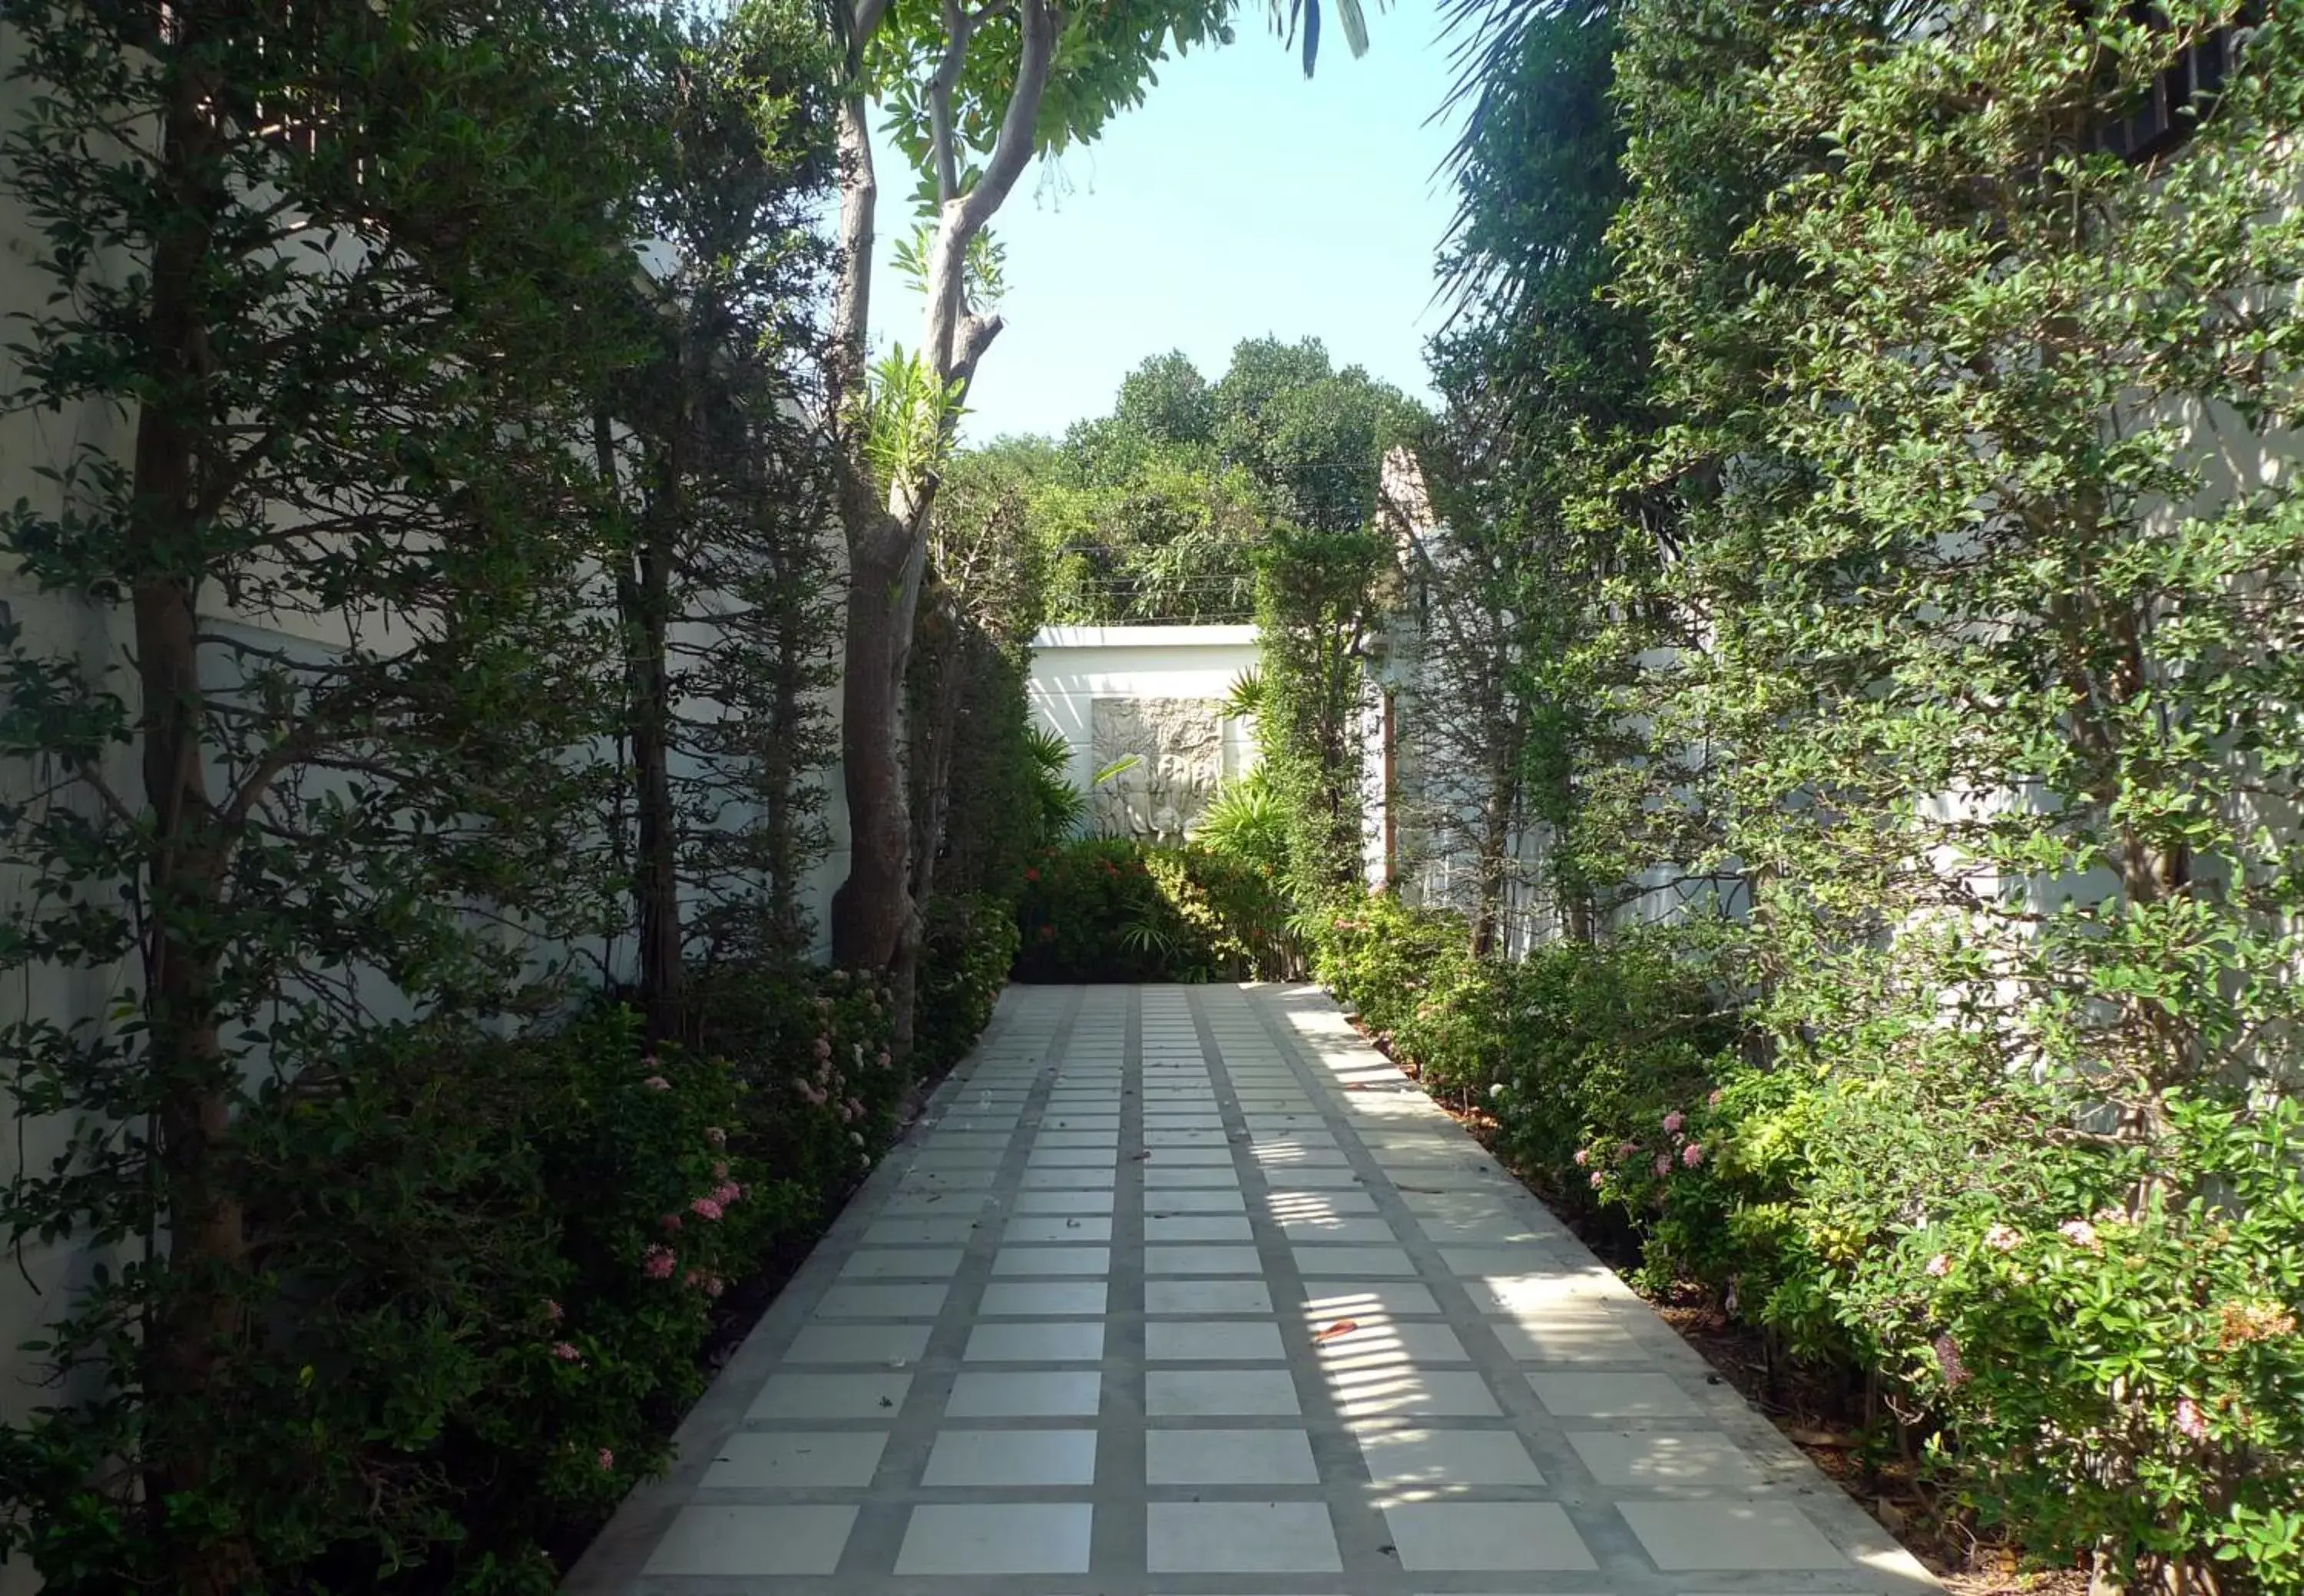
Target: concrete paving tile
<point x="1229" y="1457"/>
<point x="1057" y="1227"/>
<point x="881" y="1344"/>
<point x="830" y="1396"/>
<point x="1202" y="1260"/>
<point x="796" y="1460"/>
<point x="996" y="1538"/>
<point x="1051" y="1260"/>
<point x="1214" y="1341"/>
<point x="1034" y="1299"/>
<point x="1219" y="1393"/>
<point x="1037" y="1341"/>
<point x="1645" y="1458"/>
<point x="1161" y="1205"/>
<point x="1414" y="1460"/>
<point x="1027" y="1395"/>
<point x="1503" y="1537"/>
<point x="996" y="1459"/>
<point x="1682" y="1536"/>
<point x="1206" y="1296"/>
<point x="1240" y="1537"/>
<point x="1598" y="1396"/>
<point x="1198" y="1227"/>
<point x="1062" y="1202"/>
<point x="740" y="1542"/>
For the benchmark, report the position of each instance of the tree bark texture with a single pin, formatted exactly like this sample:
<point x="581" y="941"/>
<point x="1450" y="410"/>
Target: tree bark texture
<point x="196" y="1315"/>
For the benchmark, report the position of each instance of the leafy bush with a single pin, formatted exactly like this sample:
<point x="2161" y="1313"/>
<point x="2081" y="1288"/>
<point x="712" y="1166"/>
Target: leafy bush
<point x="2099" y="1340"/>
<point x="969" y="946"/>
<point x="490" y="1272"/>
<point x="1109" y="909"/>
<point x="1247" y="821"/>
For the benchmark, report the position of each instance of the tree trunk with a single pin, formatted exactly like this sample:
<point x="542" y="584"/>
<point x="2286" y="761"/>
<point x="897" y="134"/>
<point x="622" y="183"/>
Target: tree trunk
<point x="646" y="591"/>
<point x="872" y="907"/>
<point x="873" y="916"/>
<point x="196" y="1315"/>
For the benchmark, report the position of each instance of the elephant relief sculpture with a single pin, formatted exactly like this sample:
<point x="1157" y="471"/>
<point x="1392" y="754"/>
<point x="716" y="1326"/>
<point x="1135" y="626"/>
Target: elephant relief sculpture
<point x="1177" y="746"/>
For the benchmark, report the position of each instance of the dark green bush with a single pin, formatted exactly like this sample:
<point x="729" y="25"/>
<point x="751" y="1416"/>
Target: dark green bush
<point x="488" y="1272"/>
<point x="966" y="952"/>
<point x="1109" y="909"/>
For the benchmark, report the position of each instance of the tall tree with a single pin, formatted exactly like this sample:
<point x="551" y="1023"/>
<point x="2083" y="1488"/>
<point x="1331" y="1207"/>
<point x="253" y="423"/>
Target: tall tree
<point x="373" y="253"/>
<point x="717" y="490"/>
<point x="973" y="93"/>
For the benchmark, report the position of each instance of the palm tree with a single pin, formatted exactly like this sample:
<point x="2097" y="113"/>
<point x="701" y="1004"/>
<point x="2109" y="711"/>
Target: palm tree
<point x="1306" y="13"/>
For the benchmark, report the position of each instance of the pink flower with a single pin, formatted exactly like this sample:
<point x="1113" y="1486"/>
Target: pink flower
<point x="671" y="1222"/>
<point x="1955" y="1372"/>
<point x="713" y="1286"/>
<point x="1692" y="1154"/>
<point x="649" y="1061"/>
<point x="720" y="1170"/>
<point x="1625" y="1150"/>
<point x="607" y="1460"/>
<point x="1664" y="1163"/>
<point x="2002" y="1238"/>
<point x="2190" y="1419"/>
<point x="824" y="1046"/>
<point x="1583" y="1156"/>
<point x="1717" y="1097"/>
<point x="1673" y="1121"/>
<point x="2080" y="1233"/>
<point x="714" y="1136"/>
<point x="566" y="1354"/>
<point x="855" y="1108"/>
<point x="727" y="1193"/>
<point x="1599" y="1180"/>
<point x="1939" y="1267"/>
<point x="659" y="1262"/>
<point x="704" y="1208"/>
<point x="552" y="1311"/>
<point x="657" y="1084"/>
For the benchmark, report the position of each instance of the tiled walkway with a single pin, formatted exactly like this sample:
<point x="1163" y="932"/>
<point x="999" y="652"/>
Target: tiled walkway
<point x="1184" y="1291"/>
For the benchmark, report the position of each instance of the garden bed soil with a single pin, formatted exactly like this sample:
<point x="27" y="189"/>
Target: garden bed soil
<point x="1818" y="1410"/>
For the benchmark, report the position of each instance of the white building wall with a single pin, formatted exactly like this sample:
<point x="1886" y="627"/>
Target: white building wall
<point x="1073" y="667"/>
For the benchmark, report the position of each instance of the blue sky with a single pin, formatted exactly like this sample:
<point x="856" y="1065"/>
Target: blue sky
<point x="1238" y="200"/>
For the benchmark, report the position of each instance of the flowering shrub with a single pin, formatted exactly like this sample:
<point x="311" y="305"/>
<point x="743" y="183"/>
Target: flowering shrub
<point x="812" y="1050"/>
<point x="2098" y="1341"/>
<point x="490" y="1272"/>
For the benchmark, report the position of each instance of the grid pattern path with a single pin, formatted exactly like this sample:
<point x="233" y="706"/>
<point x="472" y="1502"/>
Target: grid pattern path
<point x="1184" y="1291"/>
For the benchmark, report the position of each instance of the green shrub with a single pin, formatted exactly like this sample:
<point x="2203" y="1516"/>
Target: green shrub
<point x="1247" y="821"/>
<point x="2098" y="1341"/>
<point x="967" y="950"/>
<point x="1109" y="909"/>
<point x="812" y="1048"/>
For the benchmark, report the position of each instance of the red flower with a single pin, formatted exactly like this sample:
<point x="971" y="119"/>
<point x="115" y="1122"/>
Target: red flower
<point x="1031" y="873"/>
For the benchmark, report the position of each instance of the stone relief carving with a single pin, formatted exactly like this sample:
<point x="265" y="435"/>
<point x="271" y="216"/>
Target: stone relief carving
<point x="1178" y="744"/>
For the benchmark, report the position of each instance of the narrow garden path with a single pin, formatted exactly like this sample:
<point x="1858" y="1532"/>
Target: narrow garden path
<point x="1186" y="1290"/>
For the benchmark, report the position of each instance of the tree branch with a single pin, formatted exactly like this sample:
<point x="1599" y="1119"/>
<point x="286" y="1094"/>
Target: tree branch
<point x="1019" y="124"/>
<point x="976" y="335"/>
